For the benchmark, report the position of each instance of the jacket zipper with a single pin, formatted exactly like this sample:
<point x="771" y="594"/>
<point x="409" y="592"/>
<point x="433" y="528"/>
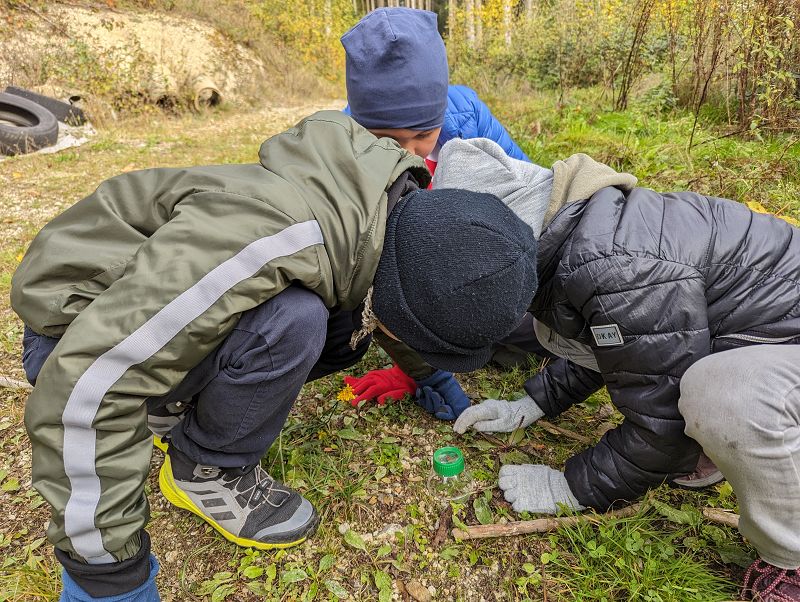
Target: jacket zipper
<point x="754" y="339"/>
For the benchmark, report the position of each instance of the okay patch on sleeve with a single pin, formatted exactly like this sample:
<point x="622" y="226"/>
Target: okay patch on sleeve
<point x="607" y="335"/>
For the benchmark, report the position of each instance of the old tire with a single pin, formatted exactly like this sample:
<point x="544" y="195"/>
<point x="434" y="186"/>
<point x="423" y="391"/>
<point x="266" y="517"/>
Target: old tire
<point x="25" y="126"/>
<point x="64" y="111"/>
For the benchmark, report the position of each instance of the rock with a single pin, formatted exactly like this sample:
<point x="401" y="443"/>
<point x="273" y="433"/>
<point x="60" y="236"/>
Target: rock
<point x="418" y="591"/>
<point x="387" y="533"/>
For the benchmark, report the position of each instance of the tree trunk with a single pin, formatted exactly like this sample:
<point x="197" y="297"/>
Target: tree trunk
<point x="328" y="16"/>
<point x="507" y="21"/>
<point x="469" y="8"/>
<point x="451" y="18"/>
<point x="478" y="23"/>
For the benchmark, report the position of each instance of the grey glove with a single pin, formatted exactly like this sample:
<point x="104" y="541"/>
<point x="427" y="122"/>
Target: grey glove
<point x="536" y="488"/>
<point x="499" y="416"/>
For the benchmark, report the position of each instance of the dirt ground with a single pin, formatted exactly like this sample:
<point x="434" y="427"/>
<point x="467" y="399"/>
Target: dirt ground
<point x="365" y="470"/>
<point x="177" y="53"/>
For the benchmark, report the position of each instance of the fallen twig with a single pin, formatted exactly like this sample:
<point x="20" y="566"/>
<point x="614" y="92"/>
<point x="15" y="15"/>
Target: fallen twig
<point x="723" y="517"/>
<point x="557" y="430"/>
<point x="12" y="383"/>
<point x="540" y="525"/>
<point x="445" y="521"/>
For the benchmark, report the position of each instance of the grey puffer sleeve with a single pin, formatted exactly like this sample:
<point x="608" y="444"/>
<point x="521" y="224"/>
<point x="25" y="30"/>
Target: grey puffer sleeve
<point x="562" y="384"/>
<point x="661" y="312"/>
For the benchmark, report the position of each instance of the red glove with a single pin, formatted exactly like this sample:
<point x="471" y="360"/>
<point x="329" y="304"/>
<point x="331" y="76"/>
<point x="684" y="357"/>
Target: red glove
<point x="381" y="384"/>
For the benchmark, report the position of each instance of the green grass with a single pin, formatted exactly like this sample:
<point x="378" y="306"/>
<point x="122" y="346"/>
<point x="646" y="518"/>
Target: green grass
<point x="654" y="147"/>
<point x="365" y="469"/>
<point x="630" y="559"/>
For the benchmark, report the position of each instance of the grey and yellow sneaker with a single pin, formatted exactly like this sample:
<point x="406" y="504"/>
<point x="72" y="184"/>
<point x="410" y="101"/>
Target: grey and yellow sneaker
<point x="246" y="505"/>
<point x="161" y="421"/>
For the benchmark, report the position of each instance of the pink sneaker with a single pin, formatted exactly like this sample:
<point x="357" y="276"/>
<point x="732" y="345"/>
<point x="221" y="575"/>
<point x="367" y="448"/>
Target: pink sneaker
<point x="705" y="475"/>
<point x="765" y="582"/>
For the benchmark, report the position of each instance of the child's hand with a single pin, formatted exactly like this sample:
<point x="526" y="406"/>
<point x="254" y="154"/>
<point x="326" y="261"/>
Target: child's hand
<point x="381" y="385"/>
<point x="441" y="395"/>
<point x="536" y="488"/>
<point x="499" y="416"/>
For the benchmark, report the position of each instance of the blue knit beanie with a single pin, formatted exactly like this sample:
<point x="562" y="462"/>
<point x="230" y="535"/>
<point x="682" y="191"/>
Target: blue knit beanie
<point x="457" y="273"/>
<point x="396" y="70"/>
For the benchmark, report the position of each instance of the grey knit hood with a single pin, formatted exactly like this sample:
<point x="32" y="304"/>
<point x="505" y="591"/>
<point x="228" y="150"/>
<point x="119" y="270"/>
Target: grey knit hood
<point x="533" y="192"/>
<point x="481" y="165"/>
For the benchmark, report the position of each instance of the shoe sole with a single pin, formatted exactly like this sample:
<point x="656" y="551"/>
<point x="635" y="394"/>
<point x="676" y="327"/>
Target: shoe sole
<point x="712" y="479"/>
<point x="178" y="498"/>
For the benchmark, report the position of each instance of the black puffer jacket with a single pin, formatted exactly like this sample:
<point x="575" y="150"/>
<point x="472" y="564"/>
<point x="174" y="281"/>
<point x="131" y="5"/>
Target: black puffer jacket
<point x="681" y="276"/>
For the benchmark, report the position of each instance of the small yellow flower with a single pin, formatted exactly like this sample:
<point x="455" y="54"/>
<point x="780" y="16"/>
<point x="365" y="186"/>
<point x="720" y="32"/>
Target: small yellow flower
<point x="346" y="394"/>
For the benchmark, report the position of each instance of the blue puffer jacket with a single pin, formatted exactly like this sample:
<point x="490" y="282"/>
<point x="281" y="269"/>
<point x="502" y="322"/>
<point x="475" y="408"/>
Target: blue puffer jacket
<point x="467" y="116"/>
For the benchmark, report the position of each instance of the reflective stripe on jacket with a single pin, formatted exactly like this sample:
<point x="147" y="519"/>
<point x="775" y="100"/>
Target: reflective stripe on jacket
<point x="146" y="276"/>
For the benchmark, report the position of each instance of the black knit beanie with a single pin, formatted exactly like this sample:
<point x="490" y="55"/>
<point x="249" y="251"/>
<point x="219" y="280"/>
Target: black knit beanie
<point x="457" y="274"/>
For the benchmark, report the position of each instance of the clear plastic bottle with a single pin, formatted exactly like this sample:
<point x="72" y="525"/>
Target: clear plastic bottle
<point x="449" y="480"/>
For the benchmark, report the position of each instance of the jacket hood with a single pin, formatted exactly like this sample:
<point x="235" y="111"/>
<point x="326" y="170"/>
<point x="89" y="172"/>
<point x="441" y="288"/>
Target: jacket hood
<point x="579" y="177"/>
<point x="533" y="192"/>
<point x="343" y="173"/>
<point x="481" y="165"/>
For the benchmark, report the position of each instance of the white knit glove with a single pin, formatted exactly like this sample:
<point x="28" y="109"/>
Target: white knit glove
<point x="536" y="488"/>
<point x="499" y="416"/>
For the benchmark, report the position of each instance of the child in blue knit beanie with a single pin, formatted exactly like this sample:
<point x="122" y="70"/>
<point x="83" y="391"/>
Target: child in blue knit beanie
<point x="397" y="87"/>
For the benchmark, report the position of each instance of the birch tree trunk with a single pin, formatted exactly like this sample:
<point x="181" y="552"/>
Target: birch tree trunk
<point x="507" y="21"/>
<point x="478" y="23"/>
<point x="328" y="17"/>
<point x="469" y="8"/>
<point x="451" y="17"/>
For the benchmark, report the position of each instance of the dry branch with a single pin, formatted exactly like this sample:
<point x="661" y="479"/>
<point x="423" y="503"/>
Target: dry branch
<point x="11" y="383"/>
<point x="557" y="430"/>
<point x="723" y="517"/>
<point x="540" y="525"/>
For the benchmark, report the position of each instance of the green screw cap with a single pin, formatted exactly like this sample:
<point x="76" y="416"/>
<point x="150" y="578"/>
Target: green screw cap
<point x="448" y="461"/>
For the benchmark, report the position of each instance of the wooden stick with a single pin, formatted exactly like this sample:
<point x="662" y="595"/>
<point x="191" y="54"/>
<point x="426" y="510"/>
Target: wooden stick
<point x="544" y="525"/>
<point x="549" y="426"/>
<point x="540" y="525"/>
<point x="723" y="517"/>
<point x="11" y="383"/>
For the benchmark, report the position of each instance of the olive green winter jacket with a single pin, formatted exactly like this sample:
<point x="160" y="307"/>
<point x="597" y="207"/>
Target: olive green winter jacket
<point x="146" y="276"/>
